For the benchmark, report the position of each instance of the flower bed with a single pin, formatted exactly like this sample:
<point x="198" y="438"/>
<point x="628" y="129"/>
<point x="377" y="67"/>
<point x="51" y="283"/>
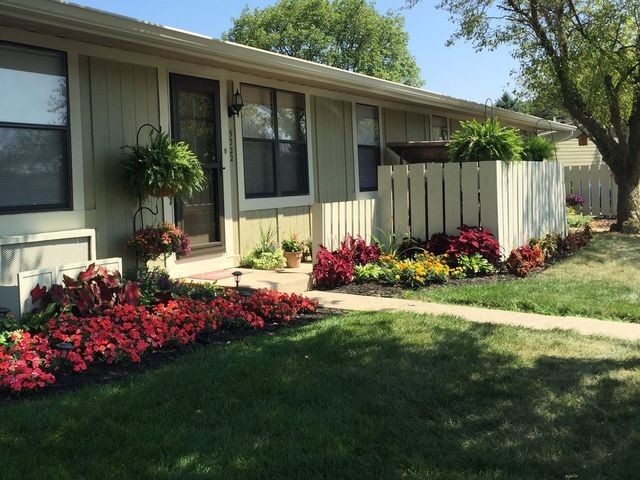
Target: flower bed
<point x="119" y="329"/>
<point x="473" y="253"/>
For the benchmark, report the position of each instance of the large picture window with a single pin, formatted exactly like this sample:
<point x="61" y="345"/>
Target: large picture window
<point x="274" y="132"/>
<point x="34" y="130"/>
<point x="368" y="132"/>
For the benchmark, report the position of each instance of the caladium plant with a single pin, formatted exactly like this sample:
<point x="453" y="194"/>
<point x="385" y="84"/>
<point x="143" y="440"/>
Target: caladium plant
<point x="94" y="292"/>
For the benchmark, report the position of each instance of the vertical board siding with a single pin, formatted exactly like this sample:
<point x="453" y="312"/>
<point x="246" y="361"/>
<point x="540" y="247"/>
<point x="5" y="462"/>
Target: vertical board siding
<point x="596" y="184"/>
<point x="333" y="149"/>
<point x="118" y="98"/>
<point x="332" y="221"/>
<point x="514" y="202"/>
<point x="283" y="223"/>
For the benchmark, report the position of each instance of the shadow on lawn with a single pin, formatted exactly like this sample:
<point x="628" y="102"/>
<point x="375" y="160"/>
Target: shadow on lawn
<point x="608" y="246"/>
<point x="369" y="397"/>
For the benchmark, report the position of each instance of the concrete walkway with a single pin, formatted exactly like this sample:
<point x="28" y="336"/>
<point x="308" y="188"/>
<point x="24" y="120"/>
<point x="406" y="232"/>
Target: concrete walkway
<point x="298" y="281"/>
<point x="585" y="326"/>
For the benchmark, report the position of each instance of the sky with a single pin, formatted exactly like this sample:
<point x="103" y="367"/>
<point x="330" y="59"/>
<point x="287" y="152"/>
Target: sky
<point x="457" y="71"/>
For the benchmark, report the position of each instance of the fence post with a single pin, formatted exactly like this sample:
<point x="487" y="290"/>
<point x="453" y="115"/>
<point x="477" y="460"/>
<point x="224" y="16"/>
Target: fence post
<point x="385" y="196"/>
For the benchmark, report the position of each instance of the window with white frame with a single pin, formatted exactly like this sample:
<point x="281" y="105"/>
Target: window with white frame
<point x="34" y="130"/>
<point x="439" y="128"/>
<point x="368" y="133"/>
<point x="274" y="143"/>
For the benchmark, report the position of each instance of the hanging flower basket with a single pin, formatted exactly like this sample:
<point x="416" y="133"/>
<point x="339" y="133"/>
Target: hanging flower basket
<point x="150" y="243"/>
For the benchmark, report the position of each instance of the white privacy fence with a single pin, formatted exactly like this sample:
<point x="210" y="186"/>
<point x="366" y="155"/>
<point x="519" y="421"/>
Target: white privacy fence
<point x="515" y="203"/>
<point x="331" y="222"/>
<point x="595" y="183"/>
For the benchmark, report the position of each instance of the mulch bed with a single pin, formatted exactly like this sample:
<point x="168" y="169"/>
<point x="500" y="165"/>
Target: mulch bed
<point x="374" y="289"/>
<point x="602" y="224"/>
<point x="103" y="373"/>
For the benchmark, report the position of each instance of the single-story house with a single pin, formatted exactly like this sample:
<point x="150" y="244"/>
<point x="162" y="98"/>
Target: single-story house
<point x="77" y="84"/>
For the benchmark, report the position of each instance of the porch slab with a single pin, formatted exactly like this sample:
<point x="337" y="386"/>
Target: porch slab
<point x="288" y="280"/>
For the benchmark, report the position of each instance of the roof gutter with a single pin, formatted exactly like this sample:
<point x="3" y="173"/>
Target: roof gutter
<point x="84" y="19"/>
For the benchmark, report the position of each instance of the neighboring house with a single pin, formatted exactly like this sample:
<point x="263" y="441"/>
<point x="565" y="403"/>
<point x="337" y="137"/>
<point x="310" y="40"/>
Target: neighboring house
<point x="77" y="83"/>
<point x="578" y="151"/>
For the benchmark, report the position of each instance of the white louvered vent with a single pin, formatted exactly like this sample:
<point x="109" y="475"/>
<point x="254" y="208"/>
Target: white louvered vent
<point x="32" y="252"/>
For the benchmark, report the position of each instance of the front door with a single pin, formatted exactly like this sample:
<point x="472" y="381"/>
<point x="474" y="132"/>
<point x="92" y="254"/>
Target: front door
<point x="195" y="114"/>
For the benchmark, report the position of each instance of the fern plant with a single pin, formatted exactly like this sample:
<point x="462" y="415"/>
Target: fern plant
<point x="477" y="141"/>
<point x="162" y="168"/>
<point x="537" y="149"/>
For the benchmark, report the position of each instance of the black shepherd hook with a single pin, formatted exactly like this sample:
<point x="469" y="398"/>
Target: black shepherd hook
<point x="152" y="127"/>
<point x="486" y="105"/>
<point x="550" y="130"/>
<point x="141" y="208"/>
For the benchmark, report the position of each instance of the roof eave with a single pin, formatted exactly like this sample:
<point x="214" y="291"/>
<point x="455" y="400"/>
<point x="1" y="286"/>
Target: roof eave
<point x="56" y="12"/>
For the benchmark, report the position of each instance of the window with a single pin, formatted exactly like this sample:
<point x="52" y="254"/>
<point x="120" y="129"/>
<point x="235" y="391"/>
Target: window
<point x="368" y="132"/>
<point x="439" y="128"/>
<point x="34" y="130"/>
<point x="274" y="131"/>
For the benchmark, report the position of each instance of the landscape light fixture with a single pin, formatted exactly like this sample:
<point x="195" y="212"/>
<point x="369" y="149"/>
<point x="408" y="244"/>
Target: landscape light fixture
<point x="65" y="348"/>
<point x="236" y="104"/>
<point x="236" y="275"/>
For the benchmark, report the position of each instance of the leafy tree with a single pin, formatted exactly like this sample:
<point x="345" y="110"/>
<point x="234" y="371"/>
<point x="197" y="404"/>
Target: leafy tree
<point x="584" y="53"/>
<point x="509" y="102"/>
<point x="534" y="105"/>
<point x="348" y="34"/>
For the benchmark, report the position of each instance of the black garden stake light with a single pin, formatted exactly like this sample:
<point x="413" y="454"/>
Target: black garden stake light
<point x="236" y="275"/>
<point x="65" y="348"/>
<point x="236" y="104"/>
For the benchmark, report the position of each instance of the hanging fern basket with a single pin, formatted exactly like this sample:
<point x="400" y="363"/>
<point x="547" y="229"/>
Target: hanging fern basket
<point x="162" y="168"/>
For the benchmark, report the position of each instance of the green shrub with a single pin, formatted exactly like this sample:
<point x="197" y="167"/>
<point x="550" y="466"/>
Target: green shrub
<point x="266" y="255"/>
<point x="475" y="265"/>
<point x="477" y="141"/>
<point x="576" y="220"/>
<point x="264" y="260"/>
<point x="367" y="272"/>
<point x="196" y="291"/>
<point x="537" y="149"/>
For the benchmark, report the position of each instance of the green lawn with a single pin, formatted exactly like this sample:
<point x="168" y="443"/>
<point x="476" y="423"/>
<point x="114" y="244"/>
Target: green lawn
<point x="375" y="396"/>
<point x="601" y="281"/>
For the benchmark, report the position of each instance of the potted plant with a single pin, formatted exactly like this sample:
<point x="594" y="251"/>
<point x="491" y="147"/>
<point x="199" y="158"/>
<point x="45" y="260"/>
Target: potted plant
<point x="163" y="168"/>
<point x="293" y="250"/>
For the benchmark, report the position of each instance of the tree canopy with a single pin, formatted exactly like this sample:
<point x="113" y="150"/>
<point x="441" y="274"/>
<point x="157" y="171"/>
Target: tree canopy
<point x="585" y="53"/>
<point x="348" y="34"/>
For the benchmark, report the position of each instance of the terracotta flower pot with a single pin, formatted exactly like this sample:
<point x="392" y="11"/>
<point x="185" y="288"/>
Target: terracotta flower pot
<point x="293" y="259"/>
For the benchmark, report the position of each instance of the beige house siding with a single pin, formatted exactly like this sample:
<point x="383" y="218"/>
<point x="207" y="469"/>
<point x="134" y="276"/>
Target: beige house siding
<point x="284" y="221"/>
<point x="116" y="99"/>
<point x="333" y="149"/>
<point x="571" y="153"/>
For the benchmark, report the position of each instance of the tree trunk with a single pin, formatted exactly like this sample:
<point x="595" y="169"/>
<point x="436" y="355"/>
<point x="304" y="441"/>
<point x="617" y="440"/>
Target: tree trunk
<point x="628" y="203"/>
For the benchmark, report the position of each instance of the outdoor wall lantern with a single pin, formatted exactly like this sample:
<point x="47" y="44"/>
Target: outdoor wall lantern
<point x="236" y="104"/>
<point x="236" y="275"/>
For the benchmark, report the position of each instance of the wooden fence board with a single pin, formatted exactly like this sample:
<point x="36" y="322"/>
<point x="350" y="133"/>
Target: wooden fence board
<point x="470" y="198"/>
<point x="452" y="213"/>
<point x="401" y="200"/>
<point x="418" y="200"/>
<point x="434" y="199"/>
